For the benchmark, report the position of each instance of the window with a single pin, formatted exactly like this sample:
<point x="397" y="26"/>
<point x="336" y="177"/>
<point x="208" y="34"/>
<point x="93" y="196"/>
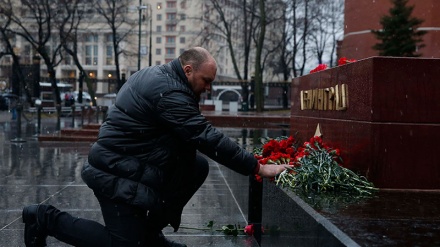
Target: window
<point x="182" y="28"/>
<point x="171" y="39"/>
<point x="182" y="17"/>
<point x="69" y="73"/>
<point x="159" y="28"/>
<point x="27" y="54"/>
<point x="91" y="38"/>
<point x="109" y="55"/>
<point x="159" y="17"/>
<point x="67" y="59"/>
<point x="48" y="49"/>
<point x="171" y="16"/>
<point x="171" y="4"/>
<point x="109" y="59"/>
<point x="171" y="51"/>
<point x="182" y="50"/>
<point x="91" y="49"/>
<point x="182" y="40"/>
<point x="158" y="51"/>
<point x="171" y="28"/>
<point x="158" y="40"/>
<point x="91" y="54"/>
<point x="183" y="4"/>
<point x="157" y="62"/>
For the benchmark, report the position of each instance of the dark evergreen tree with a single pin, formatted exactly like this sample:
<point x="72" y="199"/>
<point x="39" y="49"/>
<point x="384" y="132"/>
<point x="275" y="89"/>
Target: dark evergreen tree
<point x="399" y="36"/>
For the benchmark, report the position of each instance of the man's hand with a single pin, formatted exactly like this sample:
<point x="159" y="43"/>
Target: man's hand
<point x="270" y="171"/>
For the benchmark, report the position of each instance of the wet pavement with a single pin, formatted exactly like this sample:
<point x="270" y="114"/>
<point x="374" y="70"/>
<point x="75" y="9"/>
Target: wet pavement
<point x="49" y="172"/>
<point x="389" y="218"/>
<point x="33" y="172"/>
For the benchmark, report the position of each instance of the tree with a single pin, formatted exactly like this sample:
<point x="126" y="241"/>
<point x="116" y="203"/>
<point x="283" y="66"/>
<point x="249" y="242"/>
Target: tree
<point x="249" y="21"/>
<point x="258" y="54"/>
<point x="115" y="14"/>
<point x="34" y="22"/>
<point x="399" y="36"/>
<point x="236" y="19"/>
<point x="69" y="31"/>
<point x="326" y="26"/>
<point x="224" y="28"/>
<point x="7" y="40"/>
<point x="267" y="37"/>
<point x="277" y="55"/>
<point x="292" y="43"/>
<point x="300" y="29"/>
<point x="336" y="19"/>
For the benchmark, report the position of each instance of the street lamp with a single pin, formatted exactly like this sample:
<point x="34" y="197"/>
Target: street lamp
<point x="151" y="35"/>
<point x="140" y="7"/>
<point x="38" y="105"/>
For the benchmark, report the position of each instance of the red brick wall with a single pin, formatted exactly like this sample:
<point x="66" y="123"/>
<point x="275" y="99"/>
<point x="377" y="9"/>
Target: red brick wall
<point x="364" y="15"/>
<point x="391" y="122"/>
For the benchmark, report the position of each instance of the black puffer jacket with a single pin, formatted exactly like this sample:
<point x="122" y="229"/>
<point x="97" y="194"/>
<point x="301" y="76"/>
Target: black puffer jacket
<point x="152" y="131"/>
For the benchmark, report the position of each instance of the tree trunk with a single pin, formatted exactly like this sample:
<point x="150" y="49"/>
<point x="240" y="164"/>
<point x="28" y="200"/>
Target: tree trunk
<point x="259" y="94"/>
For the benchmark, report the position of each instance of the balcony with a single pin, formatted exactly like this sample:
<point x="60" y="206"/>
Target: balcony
<point x="170" y="45"/>
<point x="170" y="56"/>
<point x="171" y="21"/>
<point x="170" y="10"/>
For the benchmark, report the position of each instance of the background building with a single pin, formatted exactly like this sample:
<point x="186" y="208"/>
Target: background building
<point x="153" y="33"/>
<point x="157" y="32"/>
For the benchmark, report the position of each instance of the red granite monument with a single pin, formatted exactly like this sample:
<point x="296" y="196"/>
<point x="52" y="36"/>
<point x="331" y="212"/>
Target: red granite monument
<point x="382" y="112"/>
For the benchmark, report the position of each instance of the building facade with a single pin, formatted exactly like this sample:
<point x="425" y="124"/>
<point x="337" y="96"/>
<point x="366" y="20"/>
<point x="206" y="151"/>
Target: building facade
<point x="160" y="31"/>
<point x="157" y="32"/>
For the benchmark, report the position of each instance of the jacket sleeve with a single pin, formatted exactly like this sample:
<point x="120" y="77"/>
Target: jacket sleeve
<point x="180" y="112"/>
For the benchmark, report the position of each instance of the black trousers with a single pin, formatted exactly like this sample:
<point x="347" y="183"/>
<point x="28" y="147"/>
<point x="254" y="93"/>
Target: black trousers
<point x="126" y="225"/>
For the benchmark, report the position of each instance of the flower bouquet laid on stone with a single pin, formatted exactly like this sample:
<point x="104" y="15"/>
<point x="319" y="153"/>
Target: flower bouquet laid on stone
<point x="312" y="167"/>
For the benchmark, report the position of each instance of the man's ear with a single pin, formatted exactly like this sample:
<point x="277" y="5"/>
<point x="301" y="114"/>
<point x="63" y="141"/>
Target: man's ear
<point x="187" y="69"/>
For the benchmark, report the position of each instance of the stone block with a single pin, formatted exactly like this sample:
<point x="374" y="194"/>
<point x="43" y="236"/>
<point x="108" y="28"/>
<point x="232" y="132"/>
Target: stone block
<point x="382" y="112"/>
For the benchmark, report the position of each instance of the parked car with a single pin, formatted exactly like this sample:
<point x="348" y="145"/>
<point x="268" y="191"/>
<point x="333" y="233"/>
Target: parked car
<point x="85" y="96"/>
<point x="86" y="99"/>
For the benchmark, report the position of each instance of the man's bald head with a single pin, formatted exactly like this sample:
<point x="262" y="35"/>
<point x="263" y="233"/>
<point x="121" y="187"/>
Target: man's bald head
<point x="200" y="69"/>
<point x="195" y="57"/>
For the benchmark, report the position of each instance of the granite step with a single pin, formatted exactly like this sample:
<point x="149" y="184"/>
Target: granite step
<point x="92" y="126"/>
<point x="79" y="132"/>
<point x="88" y="133"/>
<point x="66" y="138"/>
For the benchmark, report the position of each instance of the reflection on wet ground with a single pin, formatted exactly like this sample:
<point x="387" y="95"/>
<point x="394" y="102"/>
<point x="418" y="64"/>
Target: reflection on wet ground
<point x="390" y="218"/>
<point x="32" y="172"/>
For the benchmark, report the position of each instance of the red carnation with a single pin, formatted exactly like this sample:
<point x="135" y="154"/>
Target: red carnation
<point x="344" y="60"/>
<point x="249" y="229"/>
<point x="319" y="68"/>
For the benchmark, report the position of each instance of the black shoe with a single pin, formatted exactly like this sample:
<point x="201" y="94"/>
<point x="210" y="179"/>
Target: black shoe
<point x="162" y="241"/>
<point x="34" y="234"/>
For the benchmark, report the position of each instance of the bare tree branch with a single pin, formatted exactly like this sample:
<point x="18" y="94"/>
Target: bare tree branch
<point x="114" y="12"/>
